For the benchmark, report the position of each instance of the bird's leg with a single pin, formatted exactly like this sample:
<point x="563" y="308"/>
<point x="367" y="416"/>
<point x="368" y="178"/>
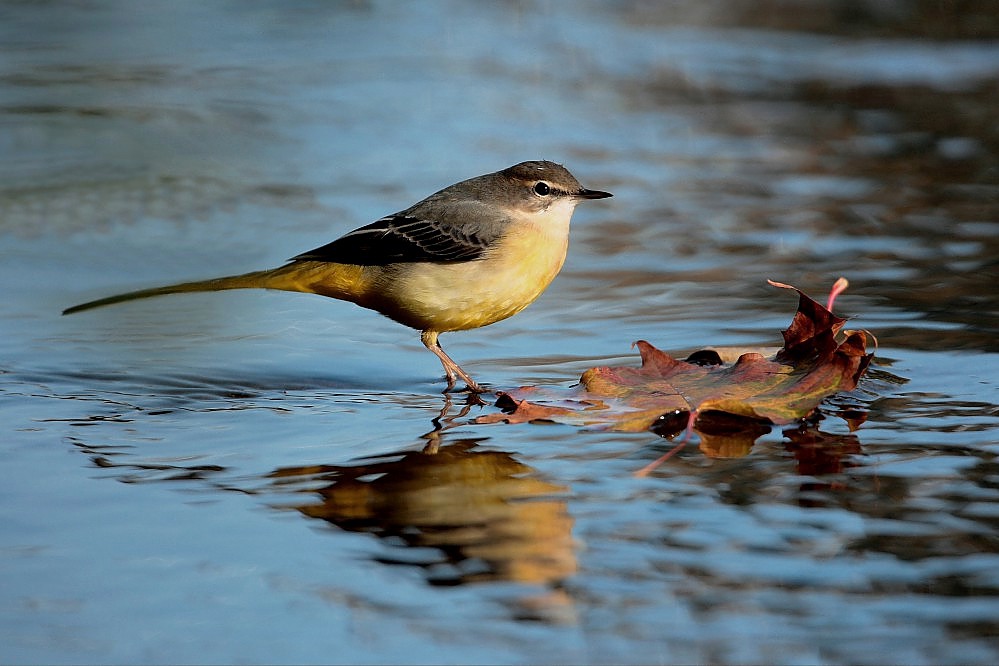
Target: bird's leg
<point x="451" y="369"/>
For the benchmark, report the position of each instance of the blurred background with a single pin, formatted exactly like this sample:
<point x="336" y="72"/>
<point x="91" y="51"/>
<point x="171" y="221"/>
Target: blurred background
<point x="253" y="476"/>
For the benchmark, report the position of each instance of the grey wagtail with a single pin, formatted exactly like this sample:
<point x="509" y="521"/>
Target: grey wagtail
<point x="470" y="255"/>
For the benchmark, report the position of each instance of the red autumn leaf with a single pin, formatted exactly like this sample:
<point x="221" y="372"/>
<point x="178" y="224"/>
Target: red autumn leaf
<point x="818" y="359"/>
<point x="523" y="411"/>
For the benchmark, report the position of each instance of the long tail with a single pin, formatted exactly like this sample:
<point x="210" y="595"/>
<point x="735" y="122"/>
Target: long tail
<point x="335" y="280"/>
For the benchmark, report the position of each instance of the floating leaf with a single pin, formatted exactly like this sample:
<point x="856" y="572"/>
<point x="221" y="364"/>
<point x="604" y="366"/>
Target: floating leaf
<point x="818" y="359"/>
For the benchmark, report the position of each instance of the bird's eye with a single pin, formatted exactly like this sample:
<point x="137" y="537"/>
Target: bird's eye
<point x="542" y="189"/>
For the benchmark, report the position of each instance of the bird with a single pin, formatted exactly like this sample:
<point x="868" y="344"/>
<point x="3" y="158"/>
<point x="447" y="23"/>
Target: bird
<point x="467" y="256"/>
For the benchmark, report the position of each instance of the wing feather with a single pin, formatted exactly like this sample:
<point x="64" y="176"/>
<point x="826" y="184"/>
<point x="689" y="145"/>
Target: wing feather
<point x="406" y="237"/>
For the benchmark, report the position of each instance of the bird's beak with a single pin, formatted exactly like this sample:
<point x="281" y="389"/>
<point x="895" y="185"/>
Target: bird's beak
<point x="592" y="194"/>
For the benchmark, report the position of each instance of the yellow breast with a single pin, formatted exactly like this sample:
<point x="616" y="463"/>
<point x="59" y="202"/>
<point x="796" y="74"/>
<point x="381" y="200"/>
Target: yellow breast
<point x="459" y="296"/>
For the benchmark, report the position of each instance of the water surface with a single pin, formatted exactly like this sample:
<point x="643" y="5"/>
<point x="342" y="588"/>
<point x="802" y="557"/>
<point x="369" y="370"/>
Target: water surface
<point x="263" y="477"/>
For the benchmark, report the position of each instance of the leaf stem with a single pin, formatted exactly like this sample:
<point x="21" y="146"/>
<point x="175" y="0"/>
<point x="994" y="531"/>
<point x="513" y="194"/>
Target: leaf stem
<point x="838" y="288"/>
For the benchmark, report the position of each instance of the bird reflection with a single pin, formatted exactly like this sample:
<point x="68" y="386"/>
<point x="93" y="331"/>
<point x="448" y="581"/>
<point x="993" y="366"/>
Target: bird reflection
<point x="462" y="512"/>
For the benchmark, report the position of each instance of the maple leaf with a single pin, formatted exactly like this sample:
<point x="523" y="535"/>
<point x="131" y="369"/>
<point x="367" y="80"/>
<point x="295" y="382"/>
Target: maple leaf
<point x="667" y="395"/>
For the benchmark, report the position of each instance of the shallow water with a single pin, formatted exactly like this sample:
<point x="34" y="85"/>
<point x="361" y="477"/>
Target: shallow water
<point x="257" y="477"/>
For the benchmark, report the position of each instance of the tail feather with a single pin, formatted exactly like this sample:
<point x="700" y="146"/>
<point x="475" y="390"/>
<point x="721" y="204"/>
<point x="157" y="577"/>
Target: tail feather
<point x="259" y="279"/>
<point x="347" y="282"/>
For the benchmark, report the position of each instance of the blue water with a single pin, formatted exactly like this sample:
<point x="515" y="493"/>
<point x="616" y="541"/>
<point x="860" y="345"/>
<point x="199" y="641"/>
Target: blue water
<point x="261" y="477"/>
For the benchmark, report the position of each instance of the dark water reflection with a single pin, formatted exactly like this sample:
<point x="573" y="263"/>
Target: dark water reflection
<point x="250" y="477"/>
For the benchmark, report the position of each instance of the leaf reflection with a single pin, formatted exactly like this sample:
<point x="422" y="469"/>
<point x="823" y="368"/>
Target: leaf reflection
<point x="724" y="436"/>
